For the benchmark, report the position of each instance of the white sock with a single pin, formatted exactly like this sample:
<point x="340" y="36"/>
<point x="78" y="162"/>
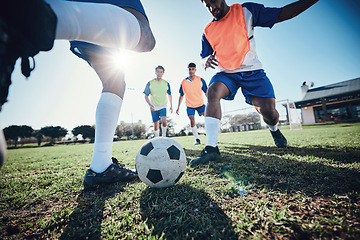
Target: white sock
<point x="107" y="115"/>
<point x="195" y="132"/>
<point x="102" y="24"/>
<point x="273" y="128"/>
<point x="157" y="133"/>
<point x="163" y="131"/>
<point x="212" y="131"/>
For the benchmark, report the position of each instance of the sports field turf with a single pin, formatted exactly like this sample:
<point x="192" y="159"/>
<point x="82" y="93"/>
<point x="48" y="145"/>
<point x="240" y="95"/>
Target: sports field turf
<point x="309" y="190"/>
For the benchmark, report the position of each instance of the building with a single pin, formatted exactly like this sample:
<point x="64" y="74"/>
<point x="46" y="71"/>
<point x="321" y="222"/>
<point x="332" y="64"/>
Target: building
<point x="334" y="102"/>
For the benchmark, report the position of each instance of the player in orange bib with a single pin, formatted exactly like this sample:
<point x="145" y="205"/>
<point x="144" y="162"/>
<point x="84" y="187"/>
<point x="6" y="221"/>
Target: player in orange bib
<point x="193" y="87"/>
<point x="228" y="42"/>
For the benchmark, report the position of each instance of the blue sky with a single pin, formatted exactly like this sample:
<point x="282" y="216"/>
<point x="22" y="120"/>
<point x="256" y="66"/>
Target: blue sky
<point x="321" y="45"/>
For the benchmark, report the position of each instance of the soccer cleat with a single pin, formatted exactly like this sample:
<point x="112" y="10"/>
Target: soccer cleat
<point x="114" y="173"/>
<point x="197" y="142"/>
<point x="207" y="154"/>
<point x="279" y="139"/>
<point x="24" y="32"/>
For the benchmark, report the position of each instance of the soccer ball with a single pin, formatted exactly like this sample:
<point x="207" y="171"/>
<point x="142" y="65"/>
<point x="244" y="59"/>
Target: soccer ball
<point x="160" y="162"/>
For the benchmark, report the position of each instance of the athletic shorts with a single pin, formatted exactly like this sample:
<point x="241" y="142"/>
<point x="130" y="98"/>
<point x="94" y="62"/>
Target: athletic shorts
<point x="252" y="83"/>
<point x="156" y="115"/>
<point x="191" y="111"/>
<point x="85" y="50"/>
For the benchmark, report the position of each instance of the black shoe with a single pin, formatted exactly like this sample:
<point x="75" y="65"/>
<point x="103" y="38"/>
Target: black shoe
<point x="279" y="139"/>
<point x="197" y="142"/>
<point x="24" y="32"/>
<point x="114" y="173"/>
<point x="207" y="154"/>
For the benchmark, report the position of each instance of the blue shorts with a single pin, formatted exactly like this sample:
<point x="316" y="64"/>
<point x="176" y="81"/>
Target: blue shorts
<point x="156" y="115"/>
<point x="191" y="111"/>
<point x="86" y="50"/>
<point x="252" y="83"/>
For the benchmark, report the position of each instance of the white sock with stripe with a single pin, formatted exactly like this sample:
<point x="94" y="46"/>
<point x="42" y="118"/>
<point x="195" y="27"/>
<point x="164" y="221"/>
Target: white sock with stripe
<point x="273" y="128"/>
<point x="107" y="115"/>
<point x="212" y="131"/>
<point x="195" y="132"/>
<point x="157" y="133"/>
<point x="163" y="131"/>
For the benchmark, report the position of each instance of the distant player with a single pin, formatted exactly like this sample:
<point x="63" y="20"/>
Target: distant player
<point x="156" y="92"/>
<point x="228" y="42"/>
<point x="99" y="27"/>
<point x="193" y="87"/>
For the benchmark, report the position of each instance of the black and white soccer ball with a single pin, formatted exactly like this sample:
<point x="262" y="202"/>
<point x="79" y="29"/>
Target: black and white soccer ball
<point x="160" y="162"/>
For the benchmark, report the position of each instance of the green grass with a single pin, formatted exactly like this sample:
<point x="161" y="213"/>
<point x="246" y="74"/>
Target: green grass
<point x="309" y="190"/>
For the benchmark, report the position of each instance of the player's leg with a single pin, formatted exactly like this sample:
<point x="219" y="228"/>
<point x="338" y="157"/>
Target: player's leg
<point x="194" y="129"/>
<point x="103" y="168"/>
<point x="163" y="122"/>
<point x="113" y="26"/>
<point x="3" y="147"/>
<point x="156" y="129"/>
<point x="266" y="107"/>
<point x="26" y="27"/>
<point x="191" y="115"/>
<point x="217" y="91"/>
<point x="259" y="92"/>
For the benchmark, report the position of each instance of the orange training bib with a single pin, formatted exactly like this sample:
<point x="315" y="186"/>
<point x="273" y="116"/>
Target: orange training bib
<point x="228" y="37"/>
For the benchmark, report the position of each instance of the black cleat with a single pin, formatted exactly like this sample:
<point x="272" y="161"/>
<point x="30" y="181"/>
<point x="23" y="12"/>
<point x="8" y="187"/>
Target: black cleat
<point x="114" y="173"/>
<point x="24" y="32"/>
<point x="207" y="154"/>
<point x="279" y="139"/>
<point x="197" y="142"/>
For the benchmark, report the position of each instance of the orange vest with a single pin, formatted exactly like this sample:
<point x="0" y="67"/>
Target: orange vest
<point x="193" y="92"/>
<point x="228" y="37"/>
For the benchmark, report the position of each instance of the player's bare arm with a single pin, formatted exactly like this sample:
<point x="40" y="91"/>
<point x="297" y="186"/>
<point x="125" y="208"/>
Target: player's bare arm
<point x="180" y="100"/>
<point x="149" y="102"/>
<point x="171" y="108"/>
<point x="294" y="9"/>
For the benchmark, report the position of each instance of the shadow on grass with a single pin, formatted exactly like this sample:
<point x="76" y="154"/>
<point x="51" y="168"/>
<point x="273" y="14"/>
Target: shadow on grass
<point x="311" y="170"/>
<point x="85" y="221"/>
<point x="182" y="212"/>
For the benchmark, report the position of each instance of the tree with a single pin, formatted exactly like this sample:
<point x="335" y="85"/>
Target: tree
<point x="125" y="130"/>
<point x="38" y="135"/>
<point x="170" y="126"/>
<point x="53" y="132"/>
<point x="15" y="132"/>
<point x="139" y="130"/>
<point x="240" y="119"/>
<point x="86" y="131"/>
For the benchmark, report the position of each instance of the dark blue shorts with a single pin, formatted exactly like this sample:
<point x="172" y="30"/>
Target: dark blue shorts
<point x="85" y="50"/>
<point x="191" y="111"/>
<point x="252" y="83"/>
<point x="156" y="115"/>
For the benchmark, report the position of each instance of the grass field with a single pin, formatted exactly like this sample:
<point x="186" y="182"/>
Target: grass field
<point x="309" y="190"/>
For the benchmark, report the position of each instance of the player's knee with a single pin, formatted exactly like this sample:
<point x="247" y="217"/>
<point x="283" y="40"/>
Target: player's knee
<point x="269" y="113"/>
<point x="213" y="94"/>
<point x="116" y="86"/>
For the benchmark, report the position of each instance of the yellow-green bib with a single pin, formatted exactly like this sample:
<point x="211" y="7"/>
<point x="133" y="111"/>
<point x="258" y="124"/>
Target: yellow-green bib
<point x="158" y="92"/>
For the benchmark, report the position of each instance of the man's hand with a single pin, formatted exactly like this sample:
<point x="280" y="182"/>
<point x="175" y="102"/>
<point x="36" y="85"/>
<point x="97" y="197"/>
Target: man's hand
<point x="152" y="107"/>
<point x="211" y="61"/>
